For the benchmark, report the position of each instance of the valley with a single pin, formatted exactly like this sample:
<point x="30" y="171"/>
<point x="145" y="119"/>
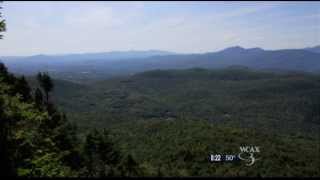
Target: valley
<point x="233" y="96"/>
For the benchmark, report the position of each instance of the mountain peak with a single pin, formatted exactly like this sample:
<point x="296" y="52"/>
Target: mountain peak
<point x="256" y="49"/>
<point x="234" y="49"/>
<point x="239" y="49"/>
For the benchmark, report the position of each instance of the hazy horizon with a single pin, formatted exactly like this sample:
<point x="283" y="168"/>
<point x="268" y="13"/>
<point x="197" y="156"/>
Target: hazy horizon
<point x="146" y="50"/>
<point x="54" y="28"/>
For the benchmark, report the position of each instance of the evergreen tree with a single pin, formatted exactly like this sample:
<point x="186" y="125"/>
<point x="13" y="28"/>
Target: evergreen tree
<point x="22" y="87"/>
<point x="5" y="76"/>
<point x="38" y="97"/>
<point x="6" y="164"/>
<point x="3" y="69"/>
<point x="46" y="84"/>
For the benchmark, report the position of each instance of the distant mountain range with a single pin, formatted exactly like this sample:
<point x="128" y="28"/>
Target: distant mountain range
<point x="103" y="65"/>
<point x="100" y="55"/>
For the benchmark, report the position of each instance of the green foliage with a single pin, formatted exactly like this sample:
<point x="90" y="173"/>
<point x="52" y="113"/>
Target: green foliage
<point x="38" y="141"/>
<point x="182" y="148"/>
<point x="2" y="24"/>
<point x="21" y="121"/>
<point x="48" y="165"/>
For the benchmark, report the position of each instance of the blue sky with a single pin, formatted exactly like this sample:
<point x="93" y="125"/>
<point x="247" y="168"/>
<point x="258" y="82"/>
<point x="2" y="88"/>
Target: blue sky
<point x="185" y="27"/>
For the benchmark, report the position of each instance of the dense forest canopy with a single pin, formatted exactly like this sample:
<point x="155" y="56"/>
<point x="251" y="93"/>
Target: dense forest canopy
<point x="49" y="145"/>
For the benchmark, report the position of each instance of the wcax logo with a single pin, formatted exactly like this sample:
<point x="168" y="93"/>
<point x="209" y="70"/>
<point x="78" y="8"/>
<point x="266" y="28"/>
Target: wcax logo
<point x="249" y="151"/>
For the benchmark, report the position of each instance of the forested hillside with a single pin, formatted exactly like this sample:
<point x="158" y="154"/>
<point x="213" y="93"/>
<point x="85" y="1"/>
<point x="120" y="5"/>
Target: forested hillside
<point x="276" y="102"/>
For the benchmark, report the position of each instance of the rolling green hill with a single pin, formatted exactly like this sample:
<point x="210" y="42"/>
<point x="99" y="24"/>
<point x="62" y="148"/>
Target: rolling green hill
<point x="240" y="97"/>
